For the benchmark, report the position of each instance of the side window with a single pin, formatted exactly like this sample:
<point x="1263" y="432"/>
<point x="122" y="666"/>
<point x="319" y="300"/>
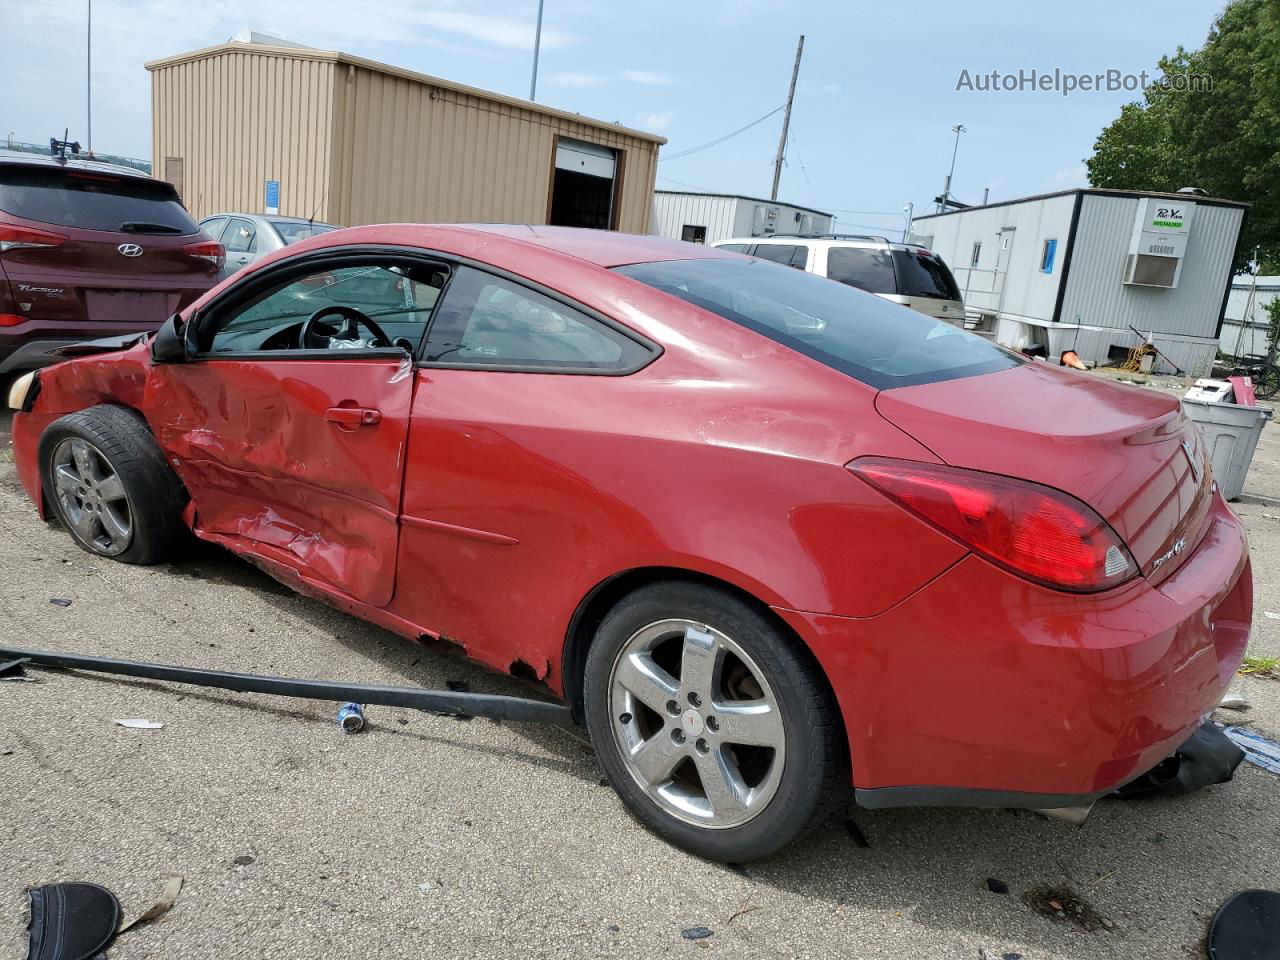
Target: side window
<point x="977" y="252"/>
<point x="1047" y="255"/>
<point x="213" y="226"/>
<point x="734" y="247"/>
<point x="397" y="299"/>
<point x="488" y="321"/>
<point x="867" y="268"/>
<point x="240" y="237"/>
<point x="787" y="254"/>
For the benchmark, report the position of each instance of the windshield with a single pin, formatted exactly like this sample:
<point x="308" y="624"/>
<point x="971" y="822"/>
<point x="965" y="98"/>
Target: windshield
<point x="292" y="231"/>
<point x="93" y="201"/>
<point x="868" y="338"/>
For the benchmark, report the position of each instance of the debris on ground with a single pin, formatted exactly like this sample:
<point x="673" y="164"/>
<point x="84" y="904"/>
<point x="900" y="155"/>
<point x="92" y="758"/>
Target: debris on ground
<point x="243" y="860"/>
<point x="1266" y="613"/>
<point x="742" y="911"/>
<point x="351" y="718"/>
<point x="985" y="954"/>
<point x="1064" y="905"/>
<point x="1266" y="667"/>
<point x="997" y="886"/>
<point x="64" y="602"/>
<point x="457" y="686"/>
<point x="1233" y="701"/>
<point x="137" y="723"/>
<point x="697" y="933"/>
<point x="168" y="896"/>
<point x="1258" y="750"/>
<point x="1246" y="927"/>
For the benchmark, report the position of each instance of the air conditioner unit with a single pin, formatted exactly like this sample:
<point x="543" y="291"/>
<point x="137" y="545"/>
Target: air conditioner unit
<point x="1158" y="243"/>
<point x="1145" y="270"/>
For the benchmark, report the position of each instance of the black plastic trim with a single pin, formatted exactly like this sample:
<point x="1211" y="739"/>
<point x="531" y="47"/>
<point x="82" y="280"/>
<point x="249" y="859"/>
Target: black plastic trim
<point x="1231" y="275"/>
<point x="1056" y="317"/>
<point x="881" y="798"/>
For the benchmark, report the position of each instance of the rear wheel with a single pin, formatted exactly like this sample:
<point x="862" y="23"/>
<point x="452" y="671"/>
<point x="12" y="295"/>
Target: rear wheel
<point x="716" y="730"/>
<point x="1268" y="383"/>
<point x="110" y="486"/>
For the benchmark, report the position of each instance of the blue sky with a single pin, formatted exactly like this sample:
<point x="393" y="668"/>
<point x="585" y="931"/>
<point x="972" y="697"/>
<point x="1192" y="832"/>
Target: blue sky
<point x="871" y="126"/>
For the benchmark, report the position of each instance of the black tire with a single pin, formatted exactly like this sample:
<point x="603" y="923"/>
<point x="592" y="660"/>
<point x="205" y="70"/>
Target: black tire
<point x="152" y="492"/>
<point x="1268" y="384"/>
<point x="814" y="779"/>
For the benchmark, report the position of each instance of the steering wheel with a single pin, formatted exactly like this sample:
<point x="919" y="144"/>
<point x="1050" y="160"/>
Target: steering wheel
<point x="315" y="333"/>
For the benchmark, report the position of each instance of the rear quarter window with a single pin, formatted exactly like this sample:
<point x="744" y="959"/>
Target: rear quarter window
<point x="93" y="201"/>
<point x="867" y="268"/>
<point x="866" y="337"/>
<point x="922" y="274"/>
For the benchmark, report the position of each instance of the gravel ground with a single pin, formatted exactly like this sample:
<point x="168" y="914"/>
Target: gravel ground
<point x="433" y="836"/>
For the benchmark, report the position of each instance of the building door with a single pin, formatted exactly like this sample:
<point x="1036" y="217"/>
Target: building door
<point x="583" y="185"/>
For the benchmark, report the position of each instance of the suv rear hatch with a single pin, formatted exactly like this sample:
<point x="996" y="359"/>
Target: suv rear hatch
<point x="82" y="246"/>
<point x="1127" y="452"/>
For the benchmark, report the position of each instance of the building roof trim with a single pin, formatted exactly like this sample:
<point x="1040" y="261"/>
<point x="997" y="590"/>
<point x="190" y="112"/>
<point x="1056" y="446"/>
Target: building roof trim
<point x="337" y="56"/>
<point x="740" y="196"/>
<point x="1093" y="191"/>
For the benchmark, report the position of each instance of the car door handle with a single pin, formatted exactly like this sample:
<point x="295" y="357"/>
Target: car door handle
<point x="351" y="417"/>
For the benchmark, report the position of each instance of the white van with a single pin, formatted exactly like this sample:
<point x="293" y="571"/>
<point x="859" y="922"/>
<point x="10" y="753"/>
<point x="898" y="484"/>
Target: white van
<point x="905" y="273"/>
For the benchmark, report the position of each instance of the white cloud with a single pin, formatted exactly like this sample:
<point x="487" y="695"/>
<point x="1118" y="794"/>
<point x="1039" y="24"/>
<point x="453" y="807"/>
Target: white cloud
<point x="499" y="31"/>
<point x="654" y="121"/>
<point x="648" y="77"/>
<point x="577" y="79"/>
<point x="1076" y="175"/>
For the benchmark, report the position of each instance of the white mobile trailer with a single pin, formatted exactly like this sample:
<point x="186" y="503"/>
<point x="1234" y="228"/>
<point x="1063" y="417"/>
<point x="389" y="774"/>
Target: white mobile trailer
<point x="1075" y="270"/>
<point x="711" y="217"/>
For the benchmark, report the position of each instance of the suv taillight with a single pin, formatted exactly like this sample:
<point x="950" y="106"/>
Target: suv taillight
<point x="1031" y="530"/>
<point x="24" y="238"/>
<point x="210" y="250"/>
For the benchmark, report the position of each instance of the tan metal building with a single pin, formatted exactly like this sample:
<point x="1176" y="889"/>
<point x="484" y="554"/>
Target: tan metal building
<point x="352" y="141"/>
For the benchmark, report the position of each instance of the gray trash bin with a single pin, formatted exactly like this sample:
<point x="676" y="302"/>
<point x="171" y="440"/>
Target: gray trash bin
<point x="1231" y="432"/>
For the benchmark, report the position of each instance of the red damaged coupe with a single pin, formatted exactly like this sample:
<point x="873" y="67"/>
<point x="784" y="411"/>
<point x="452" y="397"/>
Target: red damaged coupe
<point x="767" y="534"/>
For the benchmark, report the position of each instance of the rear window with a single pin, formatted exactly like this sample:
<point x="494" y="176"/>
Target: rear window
<point x="788" y="254"/>
<point x="868" y="338"/>
<point x="292" y="231"/>
<point x="867" y="268"/>
<point x="93" y="201"/>
<point x="921" y="274"/>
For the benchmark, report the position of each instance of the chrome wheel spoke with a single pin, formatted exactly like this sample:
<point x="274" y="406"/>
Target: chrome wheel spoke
<point x="83" y="457"/>
<point x="725" y="789"/>
<point x="646" y="681"/>
<point x="83" y="522"/>
<point x="116" y="529"/>
<point x="700" y="664"/>
<point x="656" y="758"/>
<point x="65" y="479"/>
<point x="753" y="723"/>
<point x="110" y="488"/>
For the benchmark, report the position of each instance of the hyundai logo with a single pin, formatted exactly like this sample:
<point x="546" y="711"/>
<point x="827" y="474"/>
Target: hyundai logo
<point x="130" y="250"/>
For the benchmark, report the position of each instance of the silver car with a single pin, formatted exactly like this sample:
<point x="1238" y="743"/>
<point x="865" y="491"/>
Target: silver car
<point x="251" y="236"/>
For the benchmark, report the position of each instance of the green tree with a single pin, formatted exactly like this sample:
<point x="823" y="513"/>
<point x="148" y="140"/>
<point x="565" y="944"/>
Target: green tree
<point x="1211" y="121"/>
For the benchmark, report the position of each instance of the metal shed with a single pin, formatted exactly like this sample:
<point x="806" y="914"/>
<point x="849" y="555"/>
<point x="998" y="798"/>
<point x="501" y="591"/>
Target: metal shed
<point x="1075" y="270"/>
<point x="1246" y="328"/>
<point x="712" y="217"/>
<point x="352" y="141"/>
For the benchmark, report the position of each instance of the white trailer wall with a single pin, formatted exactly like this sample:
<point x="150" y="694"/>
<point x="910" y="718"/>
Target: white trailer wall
<point x="1007" y="278"/>
<point x="724" y="216"/>
<point x="1251" y="339"/>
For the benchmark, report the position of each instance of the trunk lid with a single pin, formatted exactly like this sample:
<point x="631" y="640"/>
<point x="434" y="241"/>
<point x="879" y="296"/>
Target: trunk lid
<point x="1127" y="452"/>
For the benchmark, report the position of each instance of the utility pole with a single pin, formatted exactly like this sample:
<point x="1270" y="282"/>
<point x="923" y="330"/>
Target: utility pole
<point x="786" y="121"/>
<point x="957" y="129"/>
<point x="537" y="44"/>
<point x="88" y="74"/>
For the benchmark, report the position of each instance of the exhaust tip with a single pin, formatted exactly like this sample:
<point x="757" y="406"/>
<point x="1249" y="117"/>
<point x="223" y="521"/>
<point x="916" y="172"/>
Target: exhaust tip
<point x="1072" y="815"/>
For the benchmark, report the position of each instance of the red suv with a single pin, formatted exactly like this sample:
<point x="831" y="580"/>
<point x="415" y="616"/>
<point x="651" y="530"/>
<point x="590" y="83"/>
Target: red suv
<point x="91" y="250"/>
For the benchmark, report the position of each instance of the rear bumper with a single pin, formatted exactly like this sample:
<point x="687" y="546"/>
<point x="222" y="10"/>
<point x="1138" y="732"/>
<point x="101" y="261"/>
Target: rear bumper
<point x="984" y="690"/>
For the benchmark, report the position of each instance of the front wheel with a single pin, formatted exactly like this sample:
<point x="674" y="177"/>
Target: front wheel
<point x="716" y="729"/>
<point x="110" y="486"/>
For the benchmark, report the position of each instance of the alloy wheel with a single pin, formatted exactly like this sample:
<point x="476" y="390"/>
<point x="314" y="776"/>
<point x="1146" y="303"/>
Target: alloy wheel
<point x="92" y="496"/>
<point x="696" y="723"/>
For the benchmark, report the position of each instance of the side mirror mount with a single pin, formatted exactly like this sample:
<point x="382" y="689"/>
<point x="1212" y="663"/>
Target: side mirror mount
<point x="172" y="342"/>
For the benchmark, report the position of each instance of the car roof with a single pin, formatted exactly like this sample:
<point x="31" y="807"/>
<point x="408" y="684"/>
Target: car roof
<point x="843" y="239"/>
<point x="40" y="161"/>
<point x="268" y="217"/>
<point x="605" y="248"/>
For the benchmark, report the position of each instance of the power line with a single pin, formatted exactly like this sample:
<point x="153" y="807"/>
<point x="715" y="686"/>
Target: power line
<point x="720" y="140"/>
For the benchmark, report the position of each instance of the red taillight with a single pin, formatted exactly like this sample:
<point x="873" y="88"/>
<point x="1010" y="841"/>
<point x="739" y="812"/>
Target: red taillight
<point x="210" y="250"/>
<point x="1032" y="530"/>
<point x="20" y="238"/>
<point x="11" y="319"/>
